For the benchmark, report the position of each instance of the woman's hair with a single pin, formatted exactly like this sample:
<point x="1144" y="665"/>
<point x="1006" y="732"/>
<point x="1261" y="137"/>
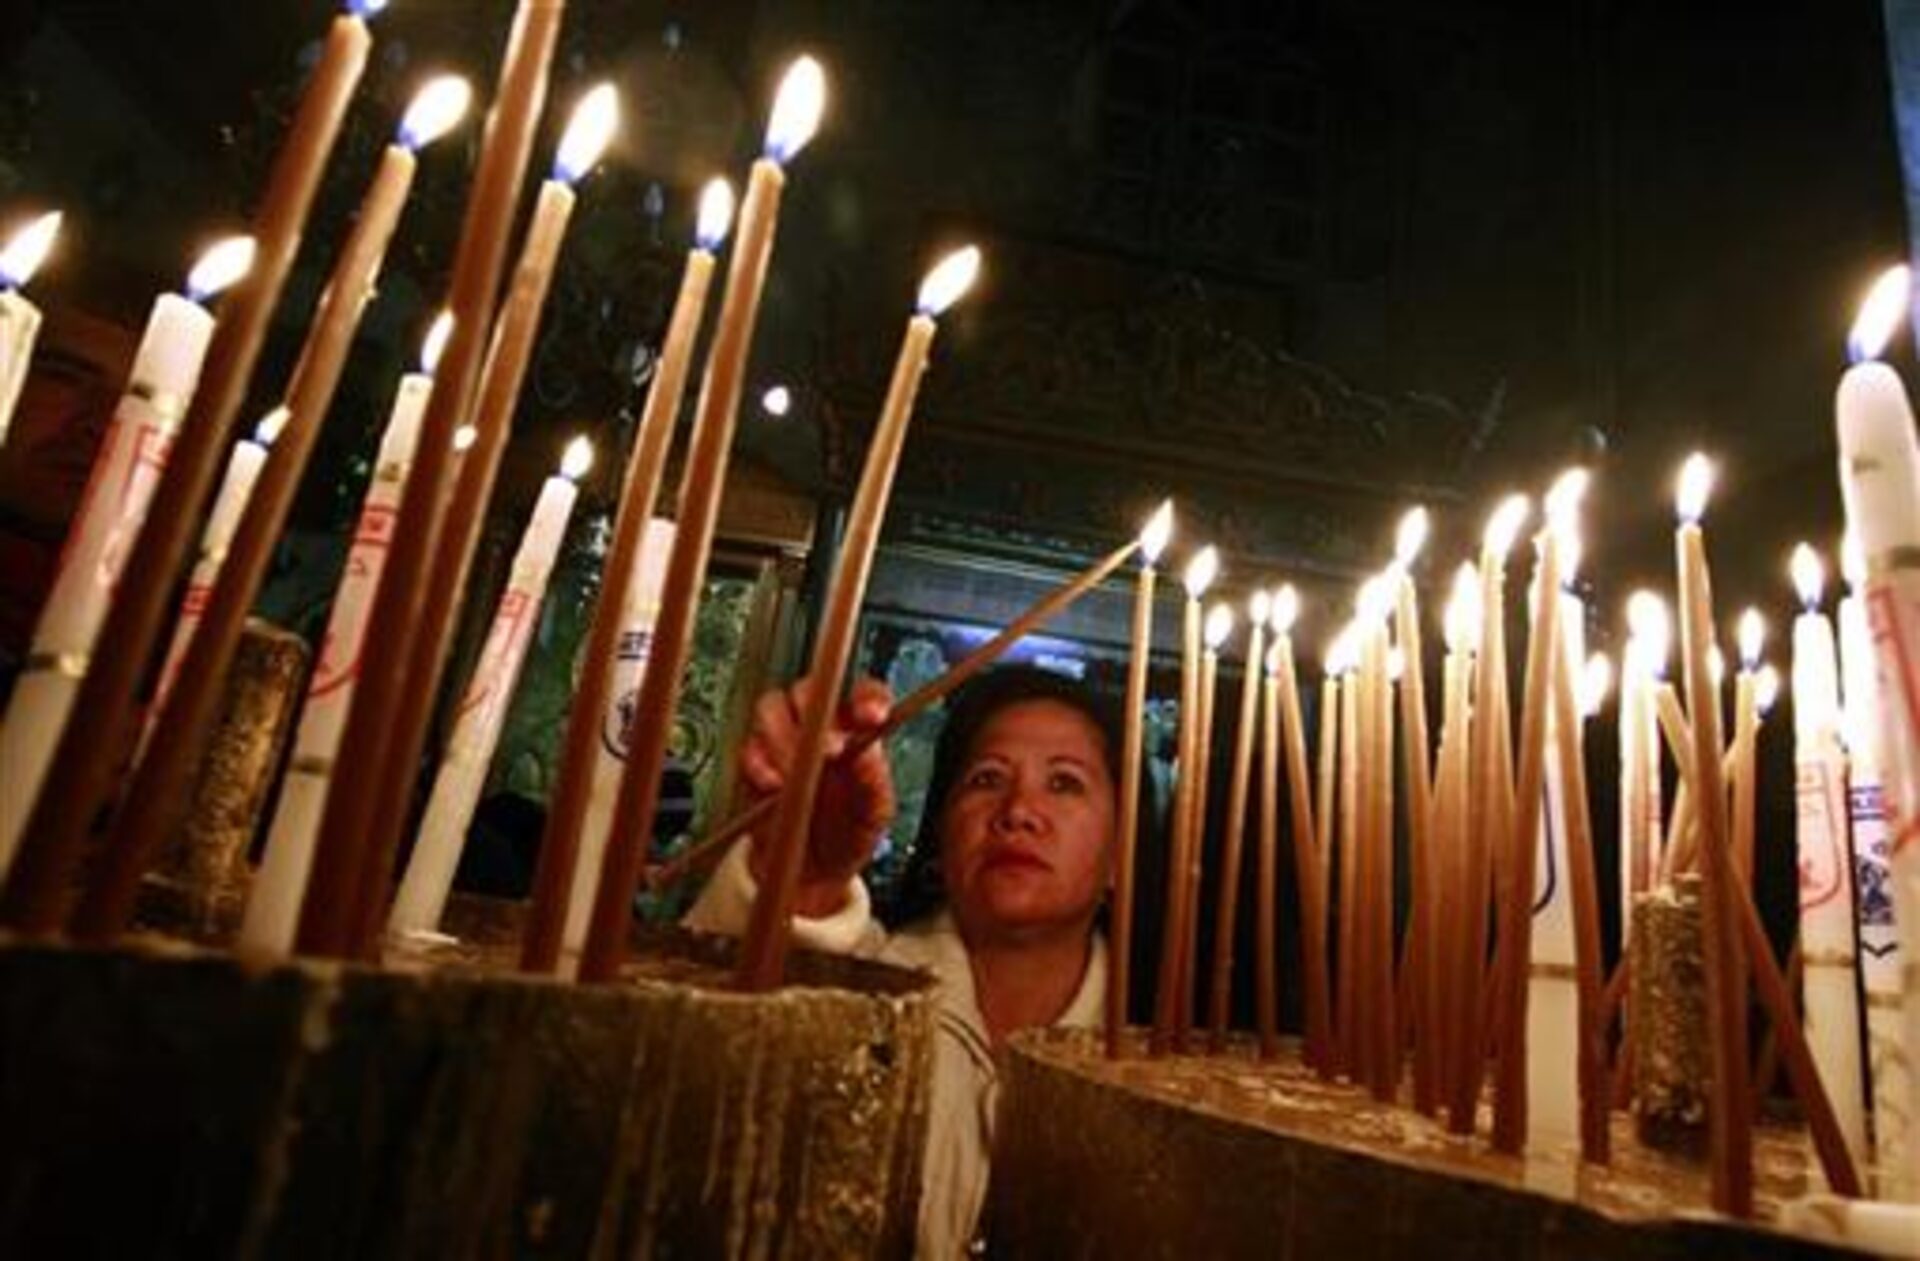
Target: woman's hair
<point x="921" y="889"/>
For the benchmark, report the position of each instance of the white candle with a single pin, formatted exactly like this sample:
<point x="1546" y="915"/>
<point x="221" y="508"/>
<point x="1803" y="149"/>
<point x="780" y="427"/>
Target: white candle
<point x="133" y="452"/>
<point x="236" y="488"/>
<point x="483" y="708"/>
<point x="1642" y="667"/>
<point x="1880" y="482"/>
<point x="19" y="318"/>
<point x="273" y="904"/>
<point x="1827" y="954"/>
<point x="637" y="619"/>
<point x="1879" y="941"/>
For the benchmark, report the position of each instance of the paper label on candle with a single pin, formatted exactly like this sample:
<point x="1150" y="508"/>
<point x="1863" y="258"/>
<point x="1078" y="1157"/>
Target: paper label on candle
<point x="1820" y="803"/>
<point x="339" y="663"/>
<point x="1873" y="876"/>
<point x="636" y="639"/>
<point x="506" y="643"/>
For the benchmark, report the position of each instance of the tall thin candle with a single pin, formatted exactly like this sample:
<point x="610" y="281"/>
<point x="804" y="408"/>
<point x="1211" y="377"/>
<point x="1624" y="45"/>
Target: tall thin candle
<point x="564" y="841"/>
<point x="1453" y="1021"/>
<point x="330" y="906"/>
<point x="1200" y="573"/>
<point x="1239" y="782"/>
<point x="763" y="952"/>
<point x="1309" y="850"/>
<point x="1153" y="541"/>
<point x="1215" y="632"/>
<point x="79" y="779"/>
<point x="796" y="115"/>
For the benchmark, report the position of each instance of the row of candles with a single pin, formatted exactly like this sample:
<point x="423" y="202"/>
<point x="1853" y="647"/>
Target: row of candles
<point x="335" y="832"/>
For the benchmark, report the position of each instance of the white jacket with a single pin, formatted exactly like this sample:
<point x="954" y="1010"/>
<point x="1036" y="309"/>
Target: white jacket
<point x="966" y="1080"/>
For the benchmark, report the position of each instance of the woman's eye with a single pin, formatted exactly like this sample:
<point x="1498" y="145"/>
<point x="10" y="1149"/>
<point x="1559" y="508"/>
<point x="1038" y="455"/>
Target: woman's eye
<point x="983" y="777"/>
<point x="1065" y="782"/>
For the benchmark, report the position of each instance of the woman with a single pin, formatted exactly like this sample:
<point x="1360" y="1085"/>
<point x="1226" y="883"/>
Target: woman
<point x="1010" y="869"/>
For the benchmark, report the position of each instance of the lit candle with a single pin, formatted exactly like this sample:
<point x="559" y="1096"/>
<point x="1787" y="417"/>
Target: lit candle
<point x="1750" y="635"/>
<point x="796" y="116"/>
<point x="1239" y="782"/>
<point x="160" y="785"/>
<point x="166" y="367"/>
<point x="1574" y="704"/>
<point x="19" y="318"/>
<point x="330" y="911"/>
<point x="1453" y="1022"/>
<point x="1153" y="541"/>
<point x="1374" y="870"/>
<point x="1308" y="854"/>
<point x="763" y="952"/>
<point x="1420" y="957"/>
<point x="1343" y="660"/>
<point x="1827" y="952"/>
<point x="1729" y="1120"/>
<point x="482" y="710"/>
<point x="273" y="902"/>
<point x="1512" y="1102"/>
<point x="589" y="130"/>
<point x="229" y="505"/>
<point x="1553" y="1016"/>
<point x="1200" y="573"/>
<point x="1642" y="670"/>
<point x="79" y="781"/>
<point x="578" y="810"/>
<point x="1887" y="1062"/>
<point x="1266" y="932"/>
<point x="1880" y="481"/>
<point x="1216" y="630"/>
<point x="1325" y="808"/>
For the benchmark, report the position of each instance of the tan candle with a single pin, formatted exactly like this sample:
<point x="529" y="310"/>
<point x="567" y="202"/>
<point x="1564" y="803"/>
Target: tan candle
<point x="1200" y="573"/>
<point x="1153" y="541"/>
<point x="1417" y="954"/>
<point x="1266" y="984"/>
<point x="562" y="839"/>
<point x="1751" y="638"/>
<point x="82" y="774"/>
<point x="1309" y="850"/>
<point x="1516" y="913"/>
<point x="1573" y="703"/>
<point x="1238" y="784"/>
<point x="328" y="915"/>
<point x="1346" y="653"/>
<point x="1377" y="865"/>
<point x="159" y="792"/>
<point x="796" y="115"/>
<point x="764" y="950"/>
<point x="1323" y="816"/>
<point x="589" y="130"/>
<point x="1448" y="1016"/>
<point x="1214" y="634"/>
<point x="1729" y="1120"/>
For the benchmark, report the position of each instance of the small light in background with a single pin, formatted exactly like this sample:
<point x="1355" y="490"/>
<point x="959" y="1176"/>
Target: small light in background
<point x="777" y="401"/>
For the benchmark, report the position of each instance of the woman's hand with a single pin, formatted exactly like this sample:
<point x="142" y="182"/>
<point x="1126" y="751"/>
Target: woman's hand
<point x="855" y="802"/>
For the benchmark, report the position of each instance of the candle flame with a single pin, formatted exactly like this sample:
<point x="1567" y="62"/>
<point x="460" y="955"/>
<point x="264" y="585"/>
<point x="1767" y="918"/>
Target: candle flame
<point x="1157" y="533"/>
<point x="1696" y="482"/>
<point x="1853" y="560"/>
<point x="220" y="267"/>
<point x="577" y="459"/>
<point x="1219" y="626"/>
<point x="1375" y="600"/>
<point x="797" y="107"/>
<point x="435" y="344"/>
<point x="1750" y="633"/>
<point x="716" y="215"/>
<point x="1503" y="527"/>
<point x="1201" y="571"/>
<point x="1880" y="314"/>
<point x="1411" y="536"/>
<point x="435" y="111"/>
<point x="1259" y="607"/>
<point x="588" y="133"/>
<point x="27" y="249"/>
<point x="1766" y="689"/>
<point x="776" y="401"/>
<point x="1809" y="576"/>
<point x="1285" y="610"/>
<point x="271" y="424"/>
<point x="1651" y="631"/>
<point x="1462" y="623"/>
<point x="949" y="281"/>
<point x="366" y="8"/>
<point x="464" y="437"/>
<point x="1596" y="680"/>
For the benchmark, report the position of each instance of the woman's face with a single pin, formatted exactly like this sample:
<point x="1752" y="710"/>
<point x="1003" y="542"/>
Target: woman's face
<point x="1027" y="827"/>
